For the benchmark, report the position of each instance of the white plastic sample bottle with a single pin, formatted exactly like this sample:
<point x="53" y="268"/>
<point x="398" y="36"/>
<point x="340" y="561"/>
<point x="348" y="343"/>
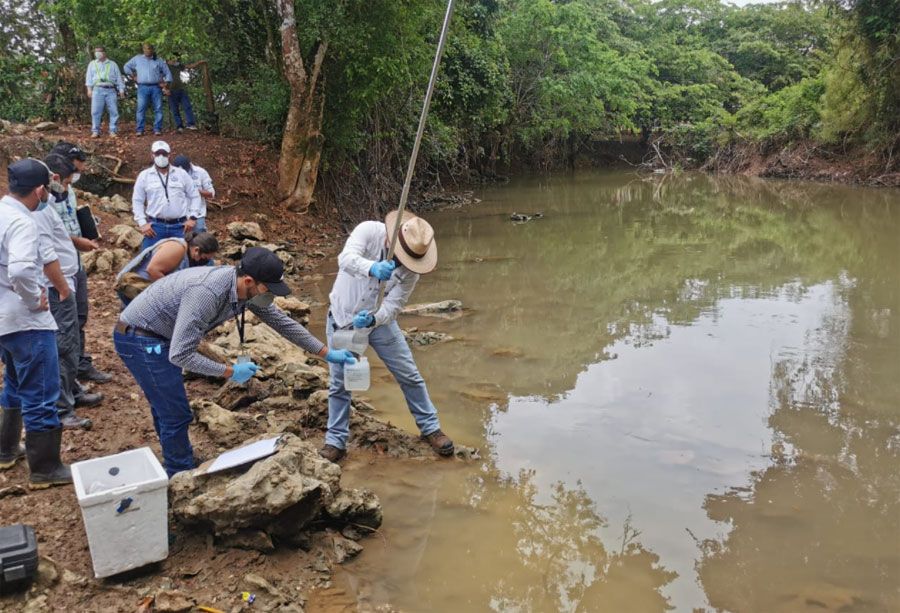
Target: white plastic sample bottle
<point x="356" y="376"/>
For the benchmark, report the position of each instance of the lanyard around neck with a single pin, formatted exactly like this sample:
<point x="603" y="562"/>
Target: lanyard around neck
<point x="165" y="183"/>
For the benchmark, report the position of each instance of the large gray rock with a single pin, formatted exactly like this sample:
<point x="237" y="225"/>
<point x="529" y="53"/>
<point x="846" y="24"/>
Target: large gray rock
<point x="281" y="494"/>
<point x="245" y="229"/>
<point x="446" y="309"/>
<point x="357" y="507"/>
<point x="126" y="236"/>
<point x="225" y="428"/>
<point x="104" y="261"/>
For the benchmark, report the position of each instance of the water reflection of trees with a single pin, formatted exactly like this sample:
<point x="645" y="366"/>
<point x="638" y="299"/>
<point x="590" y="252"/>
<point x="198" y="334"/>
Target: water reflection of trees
<point x="625" y="259"/>
<point x="819" y="530"/>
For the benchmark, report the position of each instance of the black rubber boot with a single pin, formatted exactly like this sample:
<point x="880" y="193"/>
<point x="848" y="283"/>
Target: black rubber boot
<point x="42" y="449"/>
<point x="10" y="435"/>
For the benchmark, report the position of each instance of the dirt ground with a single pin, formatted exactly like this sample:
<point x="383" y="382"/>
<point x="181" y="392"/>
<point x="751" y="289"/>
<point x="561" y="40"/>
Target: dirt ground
<point x="243" y="174"/>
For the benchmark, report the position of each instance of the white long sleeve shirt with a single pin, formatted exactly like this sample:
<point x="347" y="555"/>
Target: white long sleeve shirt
<point x="203" y="181"/>
<point x="20" y="271"/>
<point x="55" y="243"/>
<point x="354" y="290"/>
<point x="168" y="196"/>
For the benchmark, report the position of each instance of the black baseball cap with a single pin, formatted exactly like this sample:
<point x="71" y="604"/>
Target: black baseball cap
<point x="27" y="174"/>
<point x="182" y="161"/>
<point x="265" y="267"/>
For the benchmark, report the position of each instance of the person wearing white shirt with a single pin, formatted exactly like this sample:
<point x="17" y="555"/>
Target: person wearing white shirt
<point x="28" y="334"/>
<point x="60" y="270"/>
<point x="353" y="300"/>
<point x="204" y="185"/>
<point x="165" y="201"/>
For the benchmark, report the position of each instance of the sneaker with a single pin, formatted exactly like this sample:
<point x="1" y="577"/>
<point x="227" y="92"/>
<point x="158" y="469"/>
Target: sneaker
<point x="332" y="453"/>
<point x="95" y="135"/>
<point x="193" y="128"/>
<point x="92" y="374"/>
<point x="157" y="133"/>
<point x="113" y="135"/>
<point x="179" y="130"/>
<point x="139" y="134"/>
<point x="88" y="400"/>
<point x="440" y="442"/>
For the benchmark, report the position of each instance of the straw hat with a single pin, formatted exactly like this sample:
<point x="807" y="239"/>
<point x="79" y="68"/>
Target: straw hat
<point x="416" y="248"/>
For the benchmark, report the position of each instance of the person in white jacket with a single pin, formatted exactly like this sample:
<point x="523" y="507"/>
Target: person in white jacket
<point x="363" y="268"/>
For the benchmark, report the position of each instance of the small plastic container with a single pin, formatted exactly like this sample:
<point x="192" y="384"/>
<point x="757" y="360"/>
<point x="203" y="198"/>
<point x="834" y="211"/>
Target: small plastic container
<point x="124" y="504"/>
<point x="356" y="376"/>
<point x="355" y="341"/>
<point x="18" y="557"/>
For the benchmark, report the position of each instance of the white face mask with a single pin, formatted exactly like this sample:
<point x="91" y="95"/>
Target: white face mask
<point x="98" y="55"/>
<point x="161" y="160"/>
<point x="262" y="300"/>
<point x="75" y="177"/>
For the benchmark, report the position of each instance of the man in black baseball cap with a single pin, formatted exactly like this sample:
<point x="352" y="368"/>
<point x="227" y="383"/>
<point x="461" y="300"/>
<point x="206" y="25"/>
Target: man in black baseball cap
<point x="28" y="333"/>
<point x="158" y="334"/>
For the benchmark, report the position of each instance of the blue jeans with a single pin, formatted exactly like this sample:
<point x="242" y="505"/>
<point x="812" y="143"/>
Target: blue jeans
<point x="392" y="348"/>
<point x="104" y="97"/>
<point x="151" y="93"/>
<point x="163" y="230"/>
<point x="201" y="225"/>
<point x="148" y="361"/>
<point x="178" y="97"/>
<point x="31" y="379"/>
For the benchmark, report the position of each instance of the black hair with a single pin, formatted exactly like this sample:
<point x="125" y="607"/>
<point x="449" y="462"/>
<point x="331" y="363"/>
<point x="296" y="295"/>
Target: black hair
<point x="206" y="242"/>
<point x="60" y="164"/>
<point x="69" y="150"/>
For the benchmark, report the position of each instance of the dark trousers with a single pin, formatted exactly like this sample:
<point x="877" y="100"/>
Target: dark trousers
<point x="31" y="377"/>
<point x="179" y="97"/>
<point x="148" y="361"/>
<point x="68" y="347"/>
<point x="85" y="361"/>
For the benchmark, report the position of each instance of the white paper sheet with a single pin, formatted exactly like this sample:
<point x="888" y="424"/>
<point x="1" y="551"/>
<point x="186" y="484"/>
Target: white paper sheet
<point x="243" y="455"/>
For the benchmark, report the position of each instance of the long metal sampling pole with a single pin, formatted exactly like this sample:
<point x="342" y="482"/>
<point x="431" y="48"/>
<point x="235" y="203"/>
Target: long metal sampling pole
<point x="404" y="195"/>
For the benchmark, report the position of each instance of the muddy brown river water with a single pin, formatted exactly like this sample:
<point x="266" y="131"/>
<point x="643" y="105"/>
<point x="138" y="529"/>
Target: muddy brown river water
<point x="686" y="393"/>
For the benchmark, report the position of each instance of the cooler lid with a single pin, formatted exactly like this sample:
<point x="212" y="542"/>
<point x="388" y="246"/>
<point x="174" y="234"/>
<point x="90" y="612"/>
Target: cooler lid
<point x="13" y="538"/>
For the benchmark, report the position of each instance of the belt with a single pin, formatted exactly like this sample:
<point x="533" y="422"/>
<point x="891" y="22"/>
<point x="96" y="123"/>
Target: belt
<point x="106" y="86"/>
<point x="124" y="328"/>
<point x="149" y="84"/>
<point x="171" y="221"/>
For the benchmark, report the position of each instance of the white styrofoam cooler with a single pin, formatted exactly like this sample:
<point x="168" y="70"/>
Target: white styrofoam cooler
<point x="124" y="504"/>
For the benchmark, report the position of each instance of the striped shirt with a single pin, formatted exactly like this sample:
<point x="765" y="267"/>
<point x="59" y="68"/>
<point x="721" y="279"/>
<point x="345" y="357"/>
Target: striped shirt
<point x="182" y="307"/>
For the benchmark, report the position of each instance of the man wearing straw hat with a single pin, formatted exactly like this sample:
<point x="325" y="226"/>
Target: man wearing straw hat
<point x="363" y="266"/>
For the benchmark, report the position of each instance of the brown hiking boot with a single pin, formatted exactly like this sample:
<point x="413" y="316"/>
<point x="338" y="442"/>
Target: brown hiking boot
<point x="440" y="442"/>
<point x="332" y="453"/>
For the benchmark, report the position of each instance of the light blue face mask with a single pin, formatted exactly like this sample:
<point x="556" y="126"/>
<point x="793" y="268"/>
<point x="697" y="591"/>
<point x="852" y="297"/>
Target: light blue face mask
<point x="43" y="203"/>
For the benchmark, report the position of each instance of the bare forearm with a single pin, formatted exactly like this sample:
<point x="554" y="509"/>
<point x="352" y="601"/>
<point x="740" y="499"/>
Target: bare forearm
<point x="55" y="274"/>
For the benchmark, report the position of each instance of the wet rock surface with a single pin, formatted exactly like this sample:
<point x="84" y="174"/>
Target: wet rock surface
<point x="245" y="229"/>
<point x="435" y="309"/>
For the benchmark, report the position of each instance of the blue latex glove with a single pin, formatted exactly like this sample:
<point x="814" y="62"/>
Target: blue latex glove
<point x="340" y="356"/>
<point x="363" y="319"/>
<point x="243" y="371"/>
<point x="382" y="270"/>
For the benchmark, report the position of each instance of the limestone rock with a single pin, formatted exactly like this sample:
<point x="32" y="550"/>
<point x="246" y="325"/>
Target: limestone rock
<point x="225" y="428"/>
<point x="46" y="126"/>
<point x="252" y="540"/>
<point x="446" y="309"/>
<point x="360" y="507"/>
<point x="235" y="396"/>
<point x="245" y="229"/>
<point x="280" y="494"/>
<point x="126" y="236"/>
<point x="343" y="548"/>
<point x="173" y="601"/>
<point x="112" y="204"/>
<point x="297" y="309"/>
<point x="104" y="261"/>
<point x="423" y="338"/>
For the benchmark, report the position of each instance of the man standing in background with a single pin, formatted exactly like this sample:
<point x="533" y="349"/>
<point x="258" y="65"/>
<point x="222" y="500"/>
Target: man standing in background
<point x="102" y="80"/>
<point x="151" y="75"/>
<point x="203" y="183"/>
<point x="66" y="210"/>
<point x="165" y="201"/>
<point x="178" y="95"/>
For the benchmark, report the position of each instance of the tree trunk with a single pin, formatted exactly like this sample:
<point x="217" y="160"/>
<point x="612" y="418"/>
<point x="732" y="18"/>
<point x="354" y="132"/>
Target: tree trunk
<point x="301" y="143"/>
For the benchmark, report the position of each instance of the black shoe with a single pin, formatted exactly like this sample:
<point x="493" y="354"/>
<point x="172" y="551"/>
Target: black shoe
<point x="92" y="374"/>
<point x="10" y="434"/>
<point x="87" y="399"/>
<point x="42" y="449"/>
<point x="71" y="421"/>
<point x="332" y="453"/>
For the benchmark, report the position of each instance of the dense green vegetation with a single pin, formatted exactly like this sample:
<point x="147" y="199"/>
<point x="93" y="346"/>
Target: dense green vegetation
<point x="522" y="81"/>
